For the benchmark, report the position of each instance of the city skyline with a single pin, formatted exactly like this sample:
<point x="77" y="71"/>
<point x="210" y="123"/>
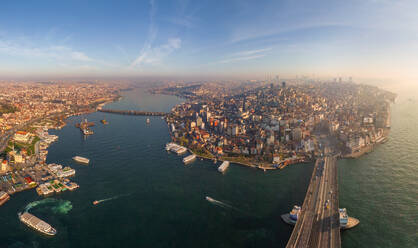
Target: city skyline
<point x="363" y="39"/>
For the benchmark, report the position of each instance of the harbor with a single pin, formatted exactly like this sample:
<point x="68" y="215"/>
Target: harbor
<point x="189" y="185"/>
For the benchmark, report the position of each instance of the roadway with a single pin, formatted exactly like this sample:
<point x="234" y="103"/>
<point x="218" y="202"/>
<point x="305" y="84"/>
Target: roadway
<point x="318" y="223"/>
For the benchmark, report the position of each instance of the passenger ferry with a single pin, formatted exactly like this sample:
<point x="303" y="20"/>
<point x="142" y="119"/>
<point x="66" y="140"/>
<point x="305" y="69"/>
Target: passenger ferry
<point x="175" y="148"/>
<point x="189" y="158"/>
<point x="292" y="217"/>
<point x="37" y="224"/>
<point x="81" y="159"/>
<point x="346" y="222"/>
<point x="223" y="166"/>
<point x="294" y="214"/>
<point x="4" y="197"/>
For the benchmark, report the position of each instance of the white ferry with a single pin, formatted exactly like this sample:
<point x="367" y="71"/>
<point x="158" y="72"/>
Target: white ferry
<point x="223" y="166"/>
<point x="347" y="222"/>
<point x="37" y="224"/>
<point x="189" y="158"/>
<point x="170" y="145"/>
<point x="81" y="159"/>
<point x="343" y="217"/>
<point x="176" y="148"/>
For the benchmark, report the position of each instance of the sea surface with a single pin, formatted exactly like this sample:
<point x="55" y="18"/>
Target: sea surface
<point x="148" y="198"/>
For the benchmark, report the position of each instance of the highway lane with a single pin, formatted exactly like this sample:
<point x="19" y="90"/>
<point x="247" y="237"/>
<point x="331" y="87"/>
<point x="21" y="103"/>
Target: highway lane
<point x="318" y="223"/>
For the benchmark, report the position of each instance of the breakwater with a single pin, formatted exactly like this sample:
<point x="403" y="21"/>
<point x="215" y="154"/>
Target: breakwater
<point x="132" y="112"/>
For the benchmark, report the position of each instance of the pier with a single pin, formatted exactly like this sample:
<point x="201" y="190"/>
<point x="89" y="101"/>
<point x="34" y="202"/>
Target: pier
<point x="318" y="224"/>
<point x="132" y="112"/>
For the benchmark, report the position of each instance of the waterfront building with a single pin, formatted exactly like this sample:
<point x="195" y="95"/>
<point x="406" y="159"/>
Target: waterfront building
<point x="22" y="137"/>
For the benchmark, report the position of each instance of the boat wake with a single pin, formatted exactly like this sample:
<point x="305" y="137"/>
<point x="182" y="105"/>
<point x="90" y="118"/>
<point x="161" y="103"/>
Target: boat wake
<point x="57" y="206"/>
<point x="224" y="205"/>
<point x="111" y="198"/>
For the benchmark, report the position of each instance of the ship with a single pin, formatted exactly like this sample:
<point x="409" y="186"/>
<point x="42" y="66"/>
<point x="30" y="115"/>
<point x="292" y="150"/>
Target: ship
<point x="4" y="197"/>
<point x="37" y="224"/>
<point x="292" y="217"/>
<point x="103" y="121"/>
<point x="148" y="121"/>
<point x="346" y="222"/>
<point x="175" y="148"/>
<point x="189" y="158"/>
<point x="81" y="159"/>
<point x="224" y="166"/>
<point x="87" y="131"/>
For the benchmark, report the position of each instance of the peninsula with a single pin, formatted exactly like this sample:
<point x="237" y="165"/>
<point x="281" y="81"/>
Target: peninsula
<point x="270" y="125"/>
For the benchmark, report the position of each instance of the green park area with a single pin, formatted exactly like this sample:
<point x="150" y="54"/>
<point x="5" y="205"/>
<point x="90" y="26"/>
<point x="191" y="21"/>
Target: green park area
<point x="30" y="148"/>
<point x="7" y="108"/>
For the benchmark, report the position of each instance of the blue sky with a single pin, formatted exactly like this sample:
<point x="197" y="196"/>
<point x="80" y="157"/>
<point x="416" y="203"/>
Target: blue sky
<point x="367" y="38"/>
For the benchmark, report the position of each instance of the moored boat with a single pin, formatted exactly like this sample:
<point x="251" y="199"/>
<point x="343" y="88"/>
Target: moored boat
<point x="224" y="166"/>
<point x="189" y="158"/>
<point x="292" y="217"/>
<point x="4" y="197"/>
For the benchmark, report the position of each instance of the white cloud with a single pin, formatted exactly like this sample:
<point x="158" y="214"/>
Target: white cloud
<point x="245" y="55"/>
<point x="80" y="56"/>
<point x="154" y="55"/>
<point x="250" y="52"/>
<point x="28" y="50"/>
<point x="241" y="58"/>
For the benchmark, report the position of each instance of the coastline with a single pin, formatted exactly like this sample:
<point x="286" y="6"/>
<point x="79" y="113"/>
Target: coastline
<point x="57" y="124"/>
<point x="271" y="166"/>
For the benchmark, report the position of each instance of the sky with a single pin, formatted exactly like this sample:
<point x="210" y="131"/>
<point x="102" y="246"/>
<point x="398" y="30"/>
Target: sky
<point x="209" y="38"/>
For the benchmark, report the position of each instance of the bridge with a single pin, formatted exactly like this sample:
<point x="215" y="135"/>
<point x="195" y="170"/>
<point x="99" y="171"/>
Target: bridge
<point x="318" y="224"/>
<point x="132" y="112"/>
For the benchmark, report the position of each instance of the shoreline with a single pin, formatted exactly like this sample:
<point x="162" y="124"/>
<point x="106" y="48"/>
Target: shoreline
<point x="57" y="124"/>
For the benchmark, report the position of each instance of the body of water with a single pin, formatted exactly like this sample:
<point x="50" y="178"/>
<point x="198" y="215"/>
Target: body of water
<point x="150" y="199"/>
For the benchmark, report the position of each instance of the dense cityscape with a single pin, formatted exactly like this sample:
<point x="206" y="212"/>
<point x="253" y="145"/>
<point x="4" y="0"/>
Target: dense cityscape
<point x="28" y="111"/>
<point x="274" y="125"/>
<point x="267" y="125"/>
<point x="233" y="124"/>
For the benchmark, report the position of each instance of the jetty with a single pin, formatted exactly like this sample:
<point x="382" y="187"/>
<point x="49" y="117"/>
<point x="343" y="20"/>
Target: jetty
<point x="132" y="112"/>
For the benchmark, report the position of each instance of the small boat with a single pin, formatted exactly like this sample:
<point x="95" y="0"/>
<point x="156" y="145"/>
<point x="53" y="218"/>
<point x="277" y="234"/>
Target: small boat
<point x="104" y="121"/>
<point x="208" y="198"/>
<point x="96" y="202"/>
<point x="148" y="121"/>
